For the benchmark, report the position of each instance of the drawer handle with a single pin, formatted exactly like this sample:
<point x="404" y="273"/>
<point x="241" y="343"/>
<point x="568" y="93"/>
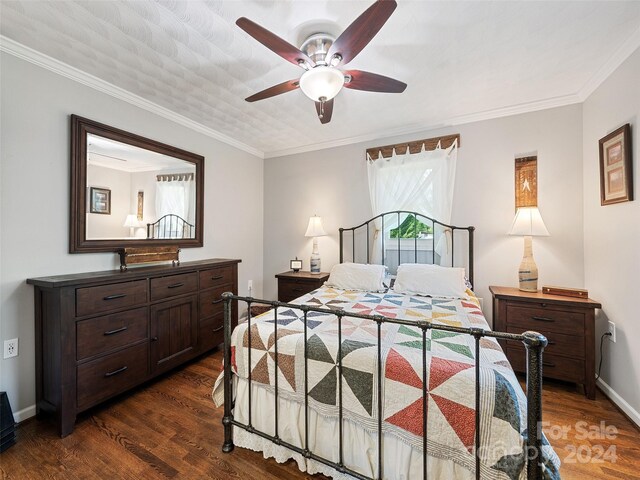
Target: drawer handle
<point x="217" y="301"/>
<point x="115" y="372"/>
<point x="297" y="289"/>
<point x="176" y="285"/>
<point x="217" y="277"/>
<point x="113" y="297"/>
<point x="218" y="329"/>
<point x="543" y="319"/>
<point x="154" y="339"/>
<point x="548" y="364"/>
<point x="551" y="342"/>
<point x="117" y="330"/>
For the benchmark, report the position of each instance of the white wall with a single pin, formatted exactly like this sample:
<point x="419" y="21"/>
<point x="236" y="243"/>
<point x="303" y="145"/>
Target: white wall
<point x="333" y="184"/>
<point x="34" y="199"/>
<point x="612" y="235"/>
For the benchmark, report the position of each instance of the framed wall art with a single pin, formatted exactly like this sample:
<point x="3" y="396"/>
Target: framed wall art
<point x="616" y="177"/>
<point x="100" y="200"/>
<point x="526" y="182"/>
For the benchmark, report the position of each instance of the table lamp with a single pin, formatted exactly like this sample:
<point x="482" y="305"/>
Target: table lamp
<point x="132" y="222"/>
<point x="528" y="223"/>
<point x="315" y="230"/>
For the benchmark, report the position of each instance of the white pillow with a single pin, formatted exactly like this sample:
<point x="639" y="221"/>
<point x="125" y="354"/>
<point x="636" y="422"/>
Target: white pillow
<point x="430" y="280"/>
<point x="357" y="276"/>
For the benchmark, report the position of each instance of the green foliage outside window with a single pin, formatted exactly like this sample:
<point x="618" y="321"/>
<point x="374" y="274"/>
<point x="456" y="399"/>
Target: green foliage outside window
<point x="411" y="228"/>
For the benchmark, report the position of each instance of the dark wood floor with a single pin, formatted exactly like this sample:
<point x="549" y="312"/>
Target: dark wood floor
<point x="170" y="429"/>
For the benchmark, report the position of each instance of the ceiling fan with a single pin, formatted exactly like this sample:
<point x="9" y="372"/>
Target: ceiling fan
<point x="321" y="54"/>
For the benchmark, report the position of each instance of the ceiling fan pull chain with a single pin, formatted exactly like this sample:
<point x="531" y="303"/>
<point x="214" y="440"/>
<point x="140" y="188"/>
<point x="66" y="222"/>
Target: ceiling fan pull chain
<point x="322" y="100"/>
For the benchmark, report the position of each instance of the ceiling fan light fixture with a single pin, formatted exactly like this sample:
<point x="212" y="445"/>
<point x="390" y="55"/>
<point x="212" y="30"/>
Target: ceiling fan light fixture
<point x="321" y="81"/>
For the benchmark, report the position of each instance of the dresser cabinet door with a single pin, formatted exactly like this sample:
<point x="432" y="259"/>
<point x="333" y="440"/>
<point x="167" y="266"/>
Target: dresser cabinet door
<point x="174" y="332"/>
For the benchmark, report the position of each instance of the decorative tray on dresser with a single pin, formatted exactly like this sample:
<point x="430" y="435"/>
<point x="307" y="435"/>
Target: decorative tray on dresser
<point x="567" y="322"/>
<point x="99" y="334"/>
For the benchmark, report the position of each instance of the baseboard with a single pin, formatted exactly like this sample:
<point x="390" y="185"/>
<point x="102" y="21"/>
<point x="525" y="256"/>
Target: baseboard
<point x="628" y="410"/>
<point x="24" y="414"/>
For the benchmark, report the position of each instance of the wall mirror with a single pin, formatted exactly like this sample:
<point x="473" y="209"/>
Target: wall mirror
<point x="130" y="191"/>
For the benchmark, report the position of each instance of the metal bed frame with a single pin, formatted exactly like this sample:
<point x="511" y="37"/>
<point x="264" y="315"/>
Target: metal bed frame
<point x="169" y="223"/>
<point x="534" y="343"/>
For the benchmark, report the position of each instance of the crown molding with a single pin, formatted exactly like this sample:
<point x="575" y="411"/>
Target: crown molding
<point x="610" y="66"/>
<point x="412" y="129"/>
<point x="56" y="66"/>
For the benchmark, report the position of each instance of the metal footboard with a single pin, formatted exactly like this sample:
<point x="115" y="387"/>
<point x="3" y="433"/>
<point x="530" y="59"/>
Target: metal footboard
<point x="533" y="341"/>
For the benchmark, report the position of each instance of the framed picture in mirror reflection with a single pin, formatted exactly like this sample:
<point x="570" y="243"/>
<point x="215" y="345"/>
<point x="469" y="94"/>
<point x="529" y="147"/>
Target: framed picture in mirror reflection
<point x="100" y="200"/>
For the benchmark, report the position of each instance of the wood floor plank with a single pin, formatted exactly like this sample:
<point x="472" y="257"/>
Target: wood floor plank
<point x="169" y="428"/>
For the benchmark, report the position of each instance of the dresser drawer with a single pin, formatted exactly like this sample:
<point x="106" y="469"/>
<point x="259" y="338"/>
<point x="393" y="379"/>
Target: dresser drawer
<point x="216" y="276"/>
<point x="166" y="287"/>
<point x="104" y="298"/>
<point x="212" y="331"/>
<point x="106" y="333"/>
<point x="115" y="373"/>
<point x="559" y="343"/>
<point x="553" y="366"/>
<point x="545" y="319"/>
<point x="211" y="303"/>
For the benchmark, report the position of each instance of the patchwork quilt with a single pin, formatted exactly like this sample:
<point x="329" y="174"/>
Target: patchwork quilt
<point x="450" y="375"/>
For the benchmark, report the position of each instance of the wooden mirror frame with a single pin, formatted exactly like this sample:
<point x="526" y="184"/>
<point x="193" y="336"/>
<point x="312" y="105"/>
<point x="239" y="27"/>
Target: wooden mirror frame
<point x="78" y="242"/>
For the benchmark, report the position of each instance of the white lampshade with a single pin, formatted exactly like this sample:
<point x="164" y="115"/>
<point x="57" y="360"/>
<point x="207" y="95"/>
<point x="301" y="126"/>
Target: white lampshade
<point x="528" y="222"/>
<point x="321" y="81"/>
<point x="315" y="227"/>
<point x="131" y="221"/>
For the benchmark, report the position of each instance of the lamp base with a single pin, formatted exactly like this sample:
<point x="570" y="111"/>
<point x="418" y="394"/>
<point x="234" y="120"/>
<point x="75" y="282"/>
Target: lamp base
<point x="528" y="271"/>
<point x="315" y="264"/>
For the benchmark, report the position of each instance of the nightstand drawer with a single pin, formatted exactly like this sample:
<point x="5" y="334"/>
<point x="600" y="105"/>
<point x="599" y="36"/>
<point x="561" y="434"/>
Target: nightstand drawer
<point x="559" y="343"/>
<point x="553" y="366"/>
<point x="545" y="319"/>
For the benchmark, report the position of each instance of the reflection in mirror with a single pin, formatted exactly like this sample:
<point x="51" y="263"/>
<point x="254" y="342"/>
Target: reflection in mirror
<point x="132" y="191"/>
<point x="135" y="193"/>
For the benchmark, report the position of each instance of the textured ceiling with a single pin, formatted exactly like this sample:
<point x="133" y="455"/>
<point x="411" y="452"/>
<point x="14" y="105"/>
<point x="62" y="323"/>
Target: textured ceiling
<point x="458" y="58"/>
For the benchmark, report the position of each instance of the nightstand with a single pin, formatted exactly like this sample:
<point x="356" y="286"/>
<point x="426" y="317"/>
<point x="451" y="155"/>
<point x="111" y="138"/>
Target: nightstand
<point x="295" y="284"/>
<point x="567" y="322"/>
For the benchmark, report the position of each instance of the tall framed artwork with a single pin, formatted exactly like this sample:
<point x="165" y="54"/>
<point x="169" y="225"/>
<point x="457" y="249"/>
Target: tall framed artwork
<point x="616" y="176"/>
<point x="526" y="180"/>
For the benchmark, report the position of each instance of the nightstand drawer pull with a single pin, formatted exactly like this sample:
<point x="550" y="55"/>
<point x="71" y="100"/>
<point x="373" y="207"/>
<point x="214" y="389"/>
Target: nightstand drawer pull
<point x="217" y="301"/>
<point x="117" y="330"/>
<point x="217" y="277"/>
<point x="113" y="297"/>
<point x="218" y="329"/>
<point x="550" y="342"/>
<point x="548" y="364"/>
<point x="297" y="289"/>
<point x="543" y="319"/>
<point x="115" y="372"/>
<point x="176" y="285"/>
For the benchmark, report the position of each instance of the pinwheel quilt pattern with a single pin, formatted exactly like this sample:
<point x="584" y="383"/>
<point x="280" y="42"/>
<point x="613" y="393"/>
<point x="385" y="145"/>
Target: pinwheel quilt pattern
<point x="450" y="374"/>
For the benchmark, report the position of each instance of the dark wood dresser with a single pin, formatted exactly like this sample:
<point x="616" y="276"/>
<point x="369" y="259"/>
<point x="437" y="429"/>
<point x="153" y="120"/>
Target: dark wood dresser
<point x="295" y="284"/>
<point x="567" y="322"/>
<point x="99" y="334"/>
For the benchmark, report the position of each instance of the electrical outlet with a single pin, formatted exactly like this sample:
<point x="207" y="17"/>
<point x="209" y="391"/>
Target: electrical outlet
<point x="250" y="285"/>
<point x="612" y="331"/>
<point x="10" y="348"/>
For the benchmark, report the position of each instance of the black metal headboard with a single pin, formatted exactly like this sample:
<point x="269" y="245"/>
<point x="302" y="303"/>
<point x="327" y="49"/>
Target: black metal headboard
<point x="170" y="226"/>
<point x="412" y="220"/>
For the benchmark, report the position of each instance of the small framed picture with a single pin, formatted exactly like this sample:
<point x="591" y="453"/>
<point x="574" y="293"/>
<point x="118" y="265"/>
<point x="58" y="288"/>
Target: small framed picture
<point x="295" y="265"/>
<point x="616" y="177"/>
<point x="100" y="200"/>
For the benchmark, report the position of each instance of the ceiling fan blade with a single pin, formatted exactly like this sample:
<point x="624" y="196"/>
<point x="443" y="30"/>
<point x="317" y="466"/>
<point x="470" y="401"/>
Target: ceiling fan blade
<point x="283" y="87"/>
<point x="362" y="30"/>
<point x="372" y="82"/>
<point x="325" y="110"/>
<point x="273" y="42"/>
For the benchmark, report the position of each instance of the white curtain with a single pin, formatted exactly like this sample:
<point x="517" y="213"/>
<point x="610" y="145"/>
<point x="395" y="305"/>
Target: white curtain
<point x="176" y="197"/>
<point x="422" y="182"/>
